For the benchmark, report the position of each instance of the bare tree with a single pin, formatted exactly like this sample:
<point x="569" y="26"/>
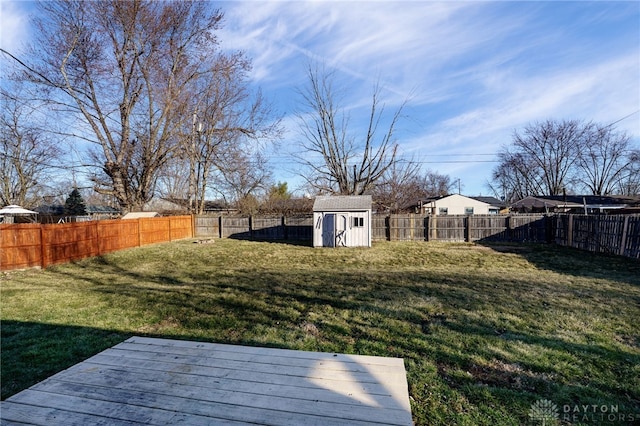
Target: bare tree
<point x="399" y="187"/>
<point x="241" y="176"/>
<point x="629" y="181"/>
<point x="27" y="153"/>
<point x="229" y="126"/>
<point x="541" y="160"/>
<point x="603" y="160"/>
<point x="126" y="69"/>
<point x="403" y="185"/>
<point x="514" y="178"/>
<point x="435" y="184"/>
<point x="553" y="157"/>
<point x="336" y="161"/>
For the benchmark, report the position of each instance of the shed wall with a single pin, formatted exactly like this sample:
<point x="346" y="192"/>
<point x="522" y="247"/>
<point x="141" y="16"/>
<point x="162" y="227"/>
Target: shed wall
<point x="342" y="229"/>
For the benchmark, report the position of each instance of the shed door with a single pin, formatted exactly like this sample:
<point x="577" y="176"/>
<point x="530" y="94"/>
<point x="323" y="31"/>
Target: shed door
<point x="359" y="230"/>
<point x="329" y="230"/>
<point x="334" y="230"/>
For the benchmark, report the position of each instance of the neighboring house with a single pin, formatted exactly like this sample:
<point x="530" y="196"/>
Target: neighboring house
<point x="181" y="206"/>
<point x="578" y="204"/>
<point x="493" y="201"/>
<point x="457" y="204"/>
<point x="53" y="213"/>
<point x="342" y="221"/>
<point x="166" y="206"/>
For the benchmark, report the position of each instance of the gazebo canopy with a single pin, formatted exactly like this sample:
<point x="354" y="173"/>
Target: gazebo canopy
<point x="13" y="210"/>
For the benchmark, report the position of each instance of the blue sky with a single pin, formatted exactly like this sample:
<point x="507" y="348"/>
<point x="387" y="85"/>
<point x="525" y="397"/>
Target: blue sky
<point x="473" y="71"/>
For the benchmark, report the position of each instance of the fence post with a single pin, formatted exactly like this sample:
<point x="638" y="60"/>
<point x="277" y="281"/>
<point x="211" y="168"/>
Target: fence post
<point x="97" y="242"/>
<point x="425" y="228"/>
<point x="285" y="231"/>
<point x="570" y="232"/>
<point x="387" y="228"/>
<point x="623" y="240"/>
<point x="411" y="226"/>
<point x="548" y="227"/>
<point x="193" y="225"/>
<point x="43" y="251"/>
<point x="139" y="232"/>
<point x="250" y="226"/>
<point x="220" y="225"/>
<point x="468" y="227"/>
<point x="433" y="227"/>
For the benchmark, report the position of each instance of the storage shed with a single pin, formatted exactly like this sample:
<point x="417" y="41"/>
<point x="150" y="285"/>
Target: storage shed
<point x="342" y="221"/>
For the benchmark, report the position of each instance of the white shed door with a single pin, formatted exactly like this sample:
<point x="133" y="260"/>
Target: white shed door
<point x="359" y="230"/>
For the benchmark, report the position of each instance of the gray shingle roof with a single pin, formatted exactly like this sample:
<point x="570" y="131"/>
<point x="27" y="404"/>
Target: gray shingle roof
<point x="342" y="203"/>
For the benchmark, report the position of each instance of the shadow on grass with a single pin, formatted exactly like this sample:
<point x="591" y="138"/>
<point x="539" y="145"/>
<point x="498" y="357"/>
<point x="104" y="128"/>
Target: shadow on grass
<point x="32" y="351"/>
<point x="571" y="261"/>
<point x="297" y="243"/>
<point x="293" y="242"/>
<point x="473" y="337"/>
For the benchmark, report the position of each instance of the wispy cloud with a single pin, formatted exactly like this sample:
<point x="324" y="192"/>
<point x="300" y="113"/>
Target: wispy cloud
<point x="475" y="70"/>
<point x="15" y="26"/>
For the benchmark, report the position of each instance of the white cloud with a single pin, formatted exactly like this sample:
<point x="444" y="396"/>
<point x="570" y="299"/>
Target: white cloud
<point x="14" y="30"/>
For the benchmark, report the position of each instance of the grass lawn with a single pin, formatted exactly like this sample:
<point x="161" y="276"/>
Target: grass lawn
<point x="485" y="331"/>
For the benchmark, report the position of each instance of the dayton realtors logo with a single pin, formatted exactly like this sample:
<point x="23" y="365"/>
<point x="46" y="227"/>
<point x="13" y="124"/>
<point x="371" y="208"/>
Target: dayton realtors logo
<point x="579" y="413"/>
<point x="546" y="413"/>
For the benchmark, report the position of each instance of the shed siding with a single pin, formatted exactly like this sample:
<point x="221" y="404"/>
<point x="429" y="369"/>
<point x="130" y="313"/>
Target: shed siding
<point x="342" y="221"/>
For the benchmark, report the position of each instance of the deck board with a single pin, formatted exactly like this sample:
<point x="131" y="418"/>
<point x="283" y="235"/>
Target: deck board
<point x="161" y="382"/>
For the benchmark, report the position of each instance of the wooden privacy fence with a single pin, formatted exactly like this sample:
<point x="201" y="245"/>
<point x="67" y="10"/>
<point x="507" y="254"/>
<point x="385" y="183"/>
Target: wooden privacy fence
<point x="516" y="228"/>
<point x="394" y="228"/>
<point x="604" y="234"/>
<point x="619" y="234"/>
<point x="29" y="245"/>
<point x="256" y="227"/>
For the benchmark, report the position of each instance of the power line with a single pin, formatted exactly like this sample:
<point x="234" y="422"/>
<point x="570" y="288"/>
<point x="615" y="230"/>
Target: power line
<point x="624" y="118"/>
<point x="49" y="165"/>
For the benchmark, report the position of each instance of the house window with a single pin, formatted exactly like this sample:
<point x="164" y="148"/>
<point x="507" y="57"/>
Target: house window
<point x="357" y="222"/>
<point x="468" y="210"/>
<point x="443" y="211"/>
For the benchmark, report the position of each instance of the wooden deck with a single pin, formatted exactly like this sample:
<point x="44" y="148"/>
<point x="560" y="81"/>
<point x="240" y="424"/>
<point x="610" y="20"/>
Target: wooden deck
<point x="167" y="382"/>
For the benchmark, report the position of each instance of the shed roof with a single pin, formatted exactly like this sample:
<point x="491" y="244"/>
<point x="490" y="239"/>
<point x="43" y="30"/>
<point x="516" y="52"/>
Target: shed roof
<point x="140" y="215"/>
<point x="342" y="203"/>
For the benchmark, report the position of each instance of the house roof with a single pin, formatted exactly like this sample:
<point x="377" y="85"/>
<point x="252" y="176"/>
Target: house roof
<point x="342" y="203"/>
<point x="490" y="200"/>
<point x="487" y="200"/>
<point x="541" y="203"/>
<point x="602" y="200"/>
<point x="58" y="209"/>
<point x="140" y="215"/>
<point x="574" y="201"/>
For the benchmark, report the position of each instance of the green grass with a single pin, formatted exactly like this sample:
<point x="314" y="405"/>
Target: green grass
<point x="484" y="331"/>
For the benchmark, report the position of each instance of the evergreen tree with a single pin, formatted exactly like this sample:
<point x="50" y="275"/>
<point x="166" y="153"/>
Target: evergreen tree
<point x="74" y="205"/>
